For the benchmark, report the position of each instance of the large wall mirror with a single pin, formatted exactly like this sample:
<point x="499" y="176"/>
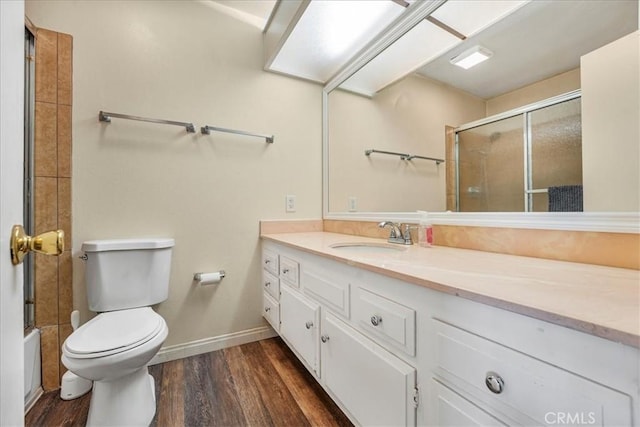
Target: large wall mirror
<point x="390" y="118"/>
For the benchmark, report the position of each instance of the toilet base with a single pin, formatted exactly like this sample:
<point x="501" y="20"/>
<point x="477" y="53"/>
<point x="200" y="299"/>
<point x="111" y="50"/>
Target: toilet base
<point x="128" y="400"/>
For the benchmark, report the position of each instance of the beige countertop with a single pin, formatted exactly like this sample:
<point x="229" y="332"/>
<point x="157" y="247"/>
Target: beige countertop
<point x="602" y="301"/>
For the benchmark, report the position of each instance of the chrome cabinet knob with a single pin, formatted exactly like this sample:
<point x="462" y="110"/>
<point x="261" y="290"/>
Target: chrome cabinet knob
<point x="376" y="320"/>
<point x="267" y="284"/>
<point x="285" y="270"/>
<point x="324" y="338"/>
<point x="267" y="309"/>
<point x="267" y="261"/>
<point x="494" y="382"/>
<point x="309" y="324"/>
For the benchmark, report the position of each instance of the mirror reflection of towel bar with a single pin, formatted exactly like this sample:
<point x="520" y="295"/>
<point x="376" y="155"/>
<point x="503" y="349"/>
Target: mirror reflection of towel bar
<point x="403" y="156"/>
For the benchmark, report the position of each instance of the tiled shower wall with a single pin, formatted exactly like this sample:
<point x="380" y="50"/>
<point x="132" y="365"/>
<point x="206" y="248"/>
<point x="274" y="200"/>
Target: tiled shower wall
<point x="52" y="188"/>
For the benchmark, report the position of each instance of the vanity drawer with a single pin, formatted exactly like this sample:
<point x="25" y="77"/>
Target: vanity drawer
<point x="271" y="284"/>
<point x="270" y="261"/>
<point x="271" y="311"/>
<point x="330" y="290"/>
<point x="527" y="389"/>
<point x="289" y="271"/>
<point x="388" y="321"/>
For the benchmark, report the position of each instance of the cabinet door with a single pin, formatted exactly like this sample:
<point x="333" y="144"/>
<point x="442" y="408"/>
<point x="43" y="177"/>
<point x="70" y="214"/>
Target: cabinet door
<point x="375" y="386"/>
<point x="450" y="409"/>
<point x="299" y="325"/>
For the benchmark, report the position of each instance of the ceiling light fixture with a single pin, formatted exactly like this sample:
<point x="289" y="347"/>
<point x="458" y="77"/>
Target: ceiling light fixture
<point x="471" y="57"/>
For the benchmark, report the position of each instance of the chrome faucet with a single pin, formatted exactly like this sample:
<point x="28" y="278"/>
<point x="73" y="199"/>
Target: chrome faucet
<point x="397" y="235"/>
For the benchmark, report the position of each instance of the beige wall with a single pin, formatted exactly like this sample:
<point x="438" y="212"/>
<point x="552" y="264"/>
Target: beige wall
<point x="610" y="126"/>
<point x="547" y="88"/>
<point x="409" y="117"/>
<point x="184" y="60"/>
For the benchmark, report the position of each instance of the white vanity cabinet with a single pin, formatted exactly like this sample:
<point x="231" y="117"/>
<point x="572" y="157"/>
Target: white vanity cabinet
<point x="393" y="353"/>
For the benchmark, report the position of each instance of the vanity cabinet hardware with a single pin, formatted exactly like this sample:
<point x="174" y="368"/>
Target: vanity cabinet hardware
<point x="267" y="284"/>
<point x="376" y="320"/>
<point x="324" y="338"/>
<point x="268" y="309"/>
<point x="285" y="270"/>
<point x="308" y="325"/>
<point x="494" y="382"/>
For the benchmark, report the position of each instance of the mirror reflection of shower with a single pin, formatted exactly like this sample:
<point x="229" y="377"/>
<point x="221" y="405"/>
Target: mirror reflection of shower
<point x="527" y="160"/>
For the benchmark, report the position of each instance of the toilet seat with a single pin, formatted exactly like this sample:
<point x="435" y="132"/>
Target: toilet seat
<point x="114" y="332"/>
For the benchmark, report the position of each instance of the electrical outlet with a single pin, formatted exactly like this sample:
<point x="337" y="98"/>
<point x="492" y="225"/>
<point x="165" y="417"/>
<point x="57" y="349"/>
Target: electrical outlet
<point x="353" y="204"/>
<point x="290" y="203"/>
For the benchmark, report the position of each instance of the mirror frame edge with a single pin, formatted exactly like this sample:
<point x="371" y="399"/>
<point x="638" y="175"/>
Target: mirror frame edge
<point x="612" y="222"/>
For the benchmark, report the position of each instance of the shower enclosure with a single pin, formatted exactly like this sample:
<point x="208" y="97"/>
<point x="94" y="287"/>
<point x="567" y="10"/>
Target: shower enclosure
<point x="528" y="159"/>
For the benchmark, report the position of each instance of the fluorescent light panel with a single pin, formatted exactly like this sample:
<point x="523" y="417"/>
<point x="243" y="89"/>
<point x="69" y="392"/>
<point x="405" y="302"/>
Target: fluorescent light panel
<point x="329" y="33"/>
<point x="471" y="57"/>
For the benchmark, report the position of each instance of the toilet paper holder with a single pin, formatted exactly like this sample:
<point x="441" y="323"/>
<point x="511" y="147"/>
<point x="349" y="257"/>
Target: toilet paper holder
<point x="209" y="278"/>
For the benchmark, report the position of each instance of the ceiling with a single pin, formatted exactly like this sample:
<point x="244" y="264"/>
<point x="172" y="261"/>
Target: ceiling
<point x="541" y="39"/>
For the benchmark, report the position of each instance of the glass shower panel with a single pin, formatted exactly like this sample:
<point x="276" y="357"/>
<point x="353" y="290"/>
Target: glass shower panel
<point x="491" y="167"/>
<point x="556" y="149"/>
<point x="28" y="220"/>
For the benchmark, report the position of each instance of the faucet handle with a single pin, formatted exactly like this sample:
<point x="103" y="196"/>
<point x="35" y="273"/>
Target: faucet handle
<point x="406" y="232"/>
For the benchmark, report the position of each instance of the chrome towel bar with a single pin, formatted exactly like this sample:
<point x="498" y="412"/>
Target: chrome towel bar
<point x="403" y="156"/>
<point x="206" y="130"/>
<point x="106" y="117"/>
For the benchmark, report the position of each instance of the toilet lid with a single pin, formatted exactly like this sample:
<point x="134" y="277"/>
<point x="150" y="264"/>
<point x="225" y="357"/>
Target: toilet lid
<point x="114" y="331"/>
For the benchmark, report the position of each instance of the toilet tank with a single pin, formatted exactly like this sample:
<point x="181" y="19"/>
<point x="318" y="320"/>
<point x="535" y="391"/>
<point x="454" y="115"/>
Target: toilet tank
<point x="127" y="273"/>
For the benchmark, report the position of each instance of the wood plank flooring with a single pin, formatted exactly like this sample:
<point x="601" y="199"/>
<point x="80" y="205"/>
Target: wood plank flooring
<point x="256" y="384"/>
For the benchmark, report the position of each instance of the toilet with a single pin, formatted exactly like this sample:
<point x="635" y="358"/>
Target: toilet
<point x="123" y="278"/>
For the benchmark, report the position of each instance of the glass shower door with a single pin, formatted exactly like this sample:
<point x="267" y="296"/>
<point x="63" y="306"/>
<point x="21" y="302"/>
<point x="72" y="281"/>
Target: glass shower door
<point x="490" y="167"/>
<point x="555" y="157"/>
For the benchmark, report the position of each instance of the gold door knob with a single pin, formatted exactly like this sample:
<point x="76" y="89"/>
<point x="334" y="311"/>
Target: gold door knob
<point x="49" y="243"/>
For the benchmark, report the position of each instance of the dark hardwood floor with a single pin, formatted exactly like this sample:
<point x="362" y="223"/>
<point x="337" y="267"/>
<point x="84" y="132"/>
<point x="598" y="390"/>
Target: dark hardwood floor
<point x="256" y="384"/>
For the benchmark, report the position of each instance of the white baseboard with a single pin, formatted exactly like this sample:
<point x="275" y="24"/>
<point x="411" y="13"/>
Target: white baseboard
<point x="193" y="348"/>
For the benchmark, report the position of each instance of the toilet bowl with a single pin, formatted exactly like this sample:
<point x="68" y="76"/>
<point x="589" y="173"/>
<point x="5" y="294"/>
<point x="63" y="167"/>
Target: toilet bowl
<point x="113" y="350"/>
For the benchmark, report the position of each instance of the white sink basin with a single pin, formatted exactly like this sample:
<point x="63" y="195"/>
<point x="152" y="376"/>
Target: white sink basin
<point x="369" y="247"/>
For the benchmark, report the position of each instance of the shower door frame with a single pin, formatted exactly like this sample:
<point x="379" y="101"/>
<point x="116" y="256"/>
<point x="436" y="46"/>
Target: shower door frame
<point x="525" y="112"/>
<point x="28" y="177"/>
